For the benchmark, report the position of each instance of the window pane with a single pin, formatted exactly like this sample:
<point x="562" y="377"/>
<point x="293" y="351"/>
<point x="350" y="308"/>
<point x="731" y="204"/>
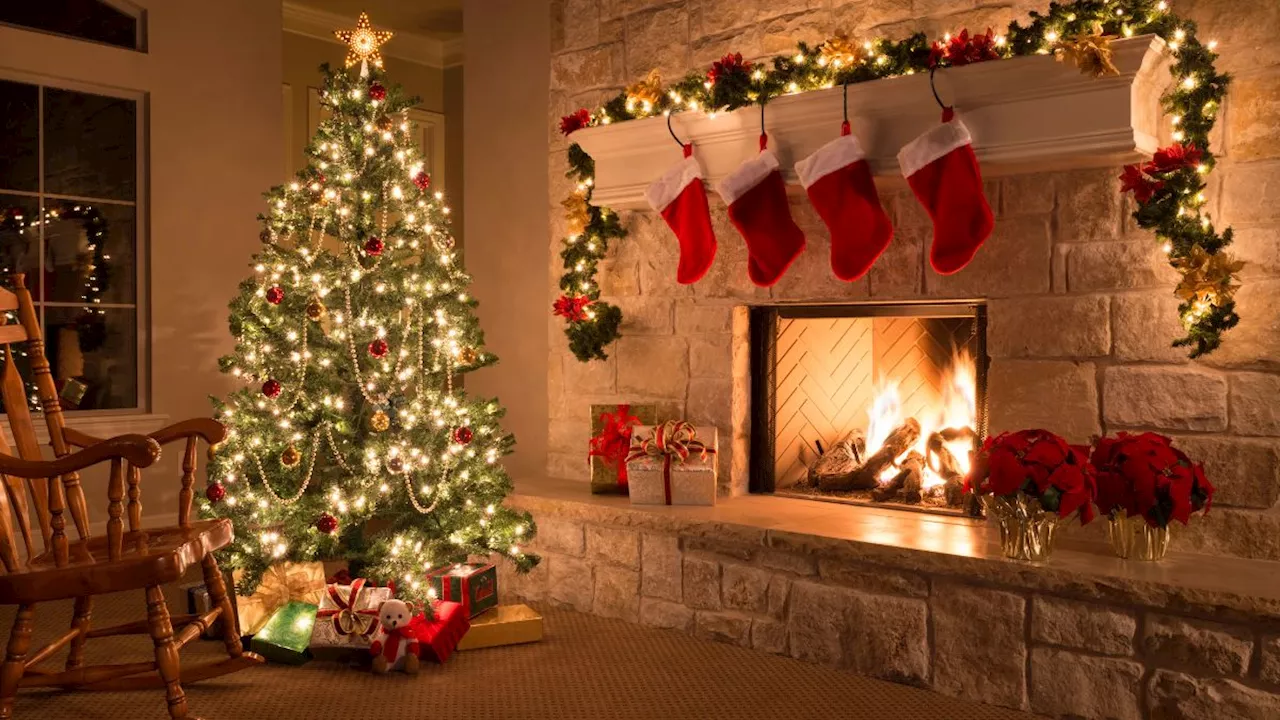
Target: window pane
<point x="19" y="137"/>
<point x="89" y="253"/>
<point x="85" y="19"/>
<point x="20" y="240"/>
<point x="94" y="356"/>
<point x="90" y="145"/>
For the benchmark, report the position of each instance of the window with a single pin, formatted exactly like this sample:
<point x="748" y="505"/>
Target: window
<point x="69" y="220"/>
<point x="111" y="23"/>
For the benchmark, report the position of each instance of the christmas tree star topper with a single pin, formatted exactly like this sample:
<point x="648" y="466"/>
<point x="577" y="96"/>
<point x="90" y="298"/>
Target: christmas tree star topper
<point x="363" y="42"/>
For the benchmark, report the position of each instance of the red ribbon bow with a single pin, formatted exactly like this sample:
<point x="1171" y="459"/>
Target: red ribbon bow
<point x="346" y="618"/>
<point x="672" y="439"/>
<point x="614" y="441"/>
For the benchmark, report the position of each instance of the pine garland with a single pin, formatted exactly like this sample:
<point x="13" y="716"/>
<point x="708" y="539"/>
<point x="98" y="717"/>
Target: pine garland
<point x="1169" y="194"/>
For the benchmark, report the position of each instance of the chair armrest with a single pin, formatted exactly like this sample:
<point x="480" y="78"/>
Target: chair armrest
<point x="140" y="450"/>
<point x="210" y="430"/>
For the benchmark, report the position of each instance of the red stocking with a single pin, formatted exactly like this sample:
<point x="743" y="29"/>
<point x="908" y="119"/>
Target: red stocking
<point x="943" y="173"/>
<point x="838" y="181"/>
<point x="681" y="198"/>
<point x="758" y="208"/>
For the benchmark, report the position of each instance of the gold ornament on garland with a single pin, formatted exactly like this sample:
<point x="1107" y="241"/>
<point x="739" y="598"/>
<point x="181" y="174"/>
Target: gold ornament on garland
<point x="1089" y="51"/>
<point x="363" y="42"/>
<point x="1207" y="278"/>
<point x="577" y="213"/>
<point x="379" y="421"/>
<point x="468" y="356"/>
<point x="290" y="457"/>
<point x="315" y="309"/>
<point x="396" y="464"/>
<point x="839" y="52"/>
<point x="645" y="93"/>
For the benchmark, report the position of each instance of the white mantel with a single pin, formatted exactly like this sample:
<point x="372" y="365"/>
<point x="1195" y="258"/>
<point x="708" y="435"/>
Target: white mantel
<point x="1025" y="114"/>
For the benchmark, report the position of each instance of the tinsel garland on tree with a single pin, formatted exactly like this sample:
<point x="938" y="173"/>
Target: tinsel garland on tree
<point x="1169" y="195"/>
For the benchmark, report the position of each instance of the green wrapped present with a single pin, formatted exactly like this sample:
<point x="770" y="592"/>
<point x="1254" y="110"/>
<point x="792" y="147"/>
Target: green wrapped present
<point x="285" y="637"/>
<point x="475" y="587"/>
<point x="610" y="441"/>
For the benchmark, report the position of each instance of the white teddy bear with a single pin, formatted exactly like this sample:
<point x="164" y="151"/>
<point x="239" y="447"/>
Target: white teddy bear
<point x="395" y="645"/>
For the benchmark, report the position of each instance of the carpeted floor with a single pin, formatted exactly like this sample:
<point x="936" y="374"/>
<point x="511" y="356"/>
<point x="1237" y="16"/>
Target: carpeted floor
<point x="586" y="667"/>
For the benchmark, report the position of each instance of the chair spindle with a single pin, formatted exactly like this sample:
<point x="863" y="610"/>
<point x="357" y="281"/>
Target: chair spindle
<point x="188" y="483"/>
<point x="115" y="494"/>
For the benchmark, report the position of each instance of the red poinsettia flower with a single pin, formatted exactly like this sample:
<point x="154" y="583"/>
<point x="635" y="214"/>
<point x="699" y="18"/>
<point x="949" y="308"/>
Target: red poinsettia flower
<point x="573" y="309"/>
<point x="1040" y="464"/>
<point x="1139" y="183"/>
<point x="1145" y="475"/>
<point x="575" y="121"/>
<point x="727" y="65"/>
<point x="1176" y="157"/>
<point x="965" y="49"/>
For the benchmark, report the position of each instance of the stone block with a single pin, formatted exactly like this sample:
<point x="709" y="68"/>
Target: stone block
<point x="1164" y="397"/>
<point x="645" y="316"/>
<point x="568" y="435"/>
<point x="888" y="637"/>
<point x="702" y="584"/>
<point x="1050" y="327"/>
<point x="1085" y="626"/>
<point x="661" y="567"/>
<point x="1065" y="684"/>
<point x="1175" y="696"/>
<point x="899" y="273"/>
<point x="713" y="319"/>
<point x="560" y="536"/>
<point x="872" y="579"/>
<point x="1254" y="410"/>
<point x="1029" y="194"/>
<point x="567" y="465"/>
<point x="711" y="356"/>
<point x="1144" y="326"/>
<point x="570" y="582"/>
<point x="779" y="591"/>
<point x="1200" y="646"/>
<point x="665" y="615"/>
<point x="1055" y="395"/>
<point x="1253" y="117"/>
<point x="1244" y="31"/>
<point x="1089" y="205"/>
<point x="596" y="377"/>
<point x="1119" y="266"/>
<point x="1014" y="261"/>
<point x="1259" y="246"/>
<point x="658" y="39"/>
<point x="745" y="588"/>
<point x="1269" y="670"/>
<point x="710" y="17"/>
<point x="1244" y="471"/>
<point x="1228" y="531"/>
<point x="816" y="622"/>
<point x="769" y="636"/>
<point x="639" y="359"/>
<point x="727" y="278"/>
<point x="710" y="403"/>
<point x="617" y="593"/>
<point x="723" y="627"/>
<point x="980" y="652"/>
<point x="787" y="562"/>
<point x="1255" y="342"/>
<point x="810" y="276"/>
<point x="1247" y="192"/>
<point x="620" y="547"/>
<point x="595" y="67"/>
<point x="528" y="586"/>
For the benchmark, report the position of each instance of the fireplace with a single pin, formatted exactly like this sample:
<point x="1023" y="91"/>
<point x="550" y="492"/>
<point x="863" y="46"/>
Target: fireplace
<point x="870" y="403"/>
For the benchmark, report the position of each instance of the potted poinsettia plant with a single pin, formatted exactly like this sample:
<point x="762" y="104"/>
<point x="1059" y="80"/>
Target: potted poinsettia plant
<point x="1031" y="481"/>
<point x="1145" y="483"/>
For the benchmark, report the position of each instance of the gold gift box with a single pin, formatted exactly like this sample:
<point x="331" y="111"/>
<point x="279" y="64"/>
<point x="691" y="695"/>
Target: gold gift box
<point x="281" y="584"/>
<point x="503" y="625"/>
<point x="604" y="474"/>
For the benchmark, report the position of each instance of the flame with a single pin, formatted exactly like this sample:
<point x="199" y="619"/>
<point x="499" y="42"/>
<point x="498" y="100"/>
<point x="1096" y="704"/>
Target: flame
<point x="957" y="408"/>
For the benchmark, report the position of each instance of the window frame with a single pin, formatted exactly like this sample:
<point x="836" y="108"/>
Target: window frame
<point x="141" y="410"/>
<point x="124" y="7"/>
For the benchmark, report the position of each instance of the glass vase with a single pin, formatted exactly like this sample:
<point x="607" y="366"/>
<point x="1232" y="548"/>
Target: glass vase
<point x="1026" y="530"/>
<point x="1133" y="538"/>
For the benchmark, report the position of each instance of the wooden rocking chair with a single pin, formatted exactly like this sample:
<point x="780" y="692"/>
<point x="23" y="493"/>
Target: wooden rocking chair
<point x="143" y="559"/>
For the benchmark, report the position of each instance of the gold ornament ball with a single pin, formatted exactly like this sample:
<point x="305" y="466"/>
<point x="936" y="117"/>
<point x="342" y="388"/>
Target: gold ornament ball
<point x="290" y="457"/>
<point x="379" y="422"/>
<point x="395" y="465"/>
<point x="212" y="452"/>
<point x="315" y="310"/>
<point x="469" y="356"/>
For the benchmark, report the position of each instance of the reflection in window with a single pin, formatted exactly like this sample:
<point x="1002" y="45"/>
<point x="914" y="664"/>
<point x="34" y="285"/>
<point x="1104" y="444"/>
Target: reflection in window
<point x="84" y="19"/>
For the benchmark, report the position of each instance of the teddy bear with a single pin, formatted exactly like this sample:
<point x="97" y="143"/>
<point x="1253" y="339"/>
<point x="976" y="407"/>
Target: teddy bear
<point x="395" y="645"/>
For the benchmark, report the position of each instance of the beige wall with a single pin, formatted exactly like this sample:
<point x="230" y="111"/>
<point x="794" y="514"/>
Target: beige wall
<point x="505" y="103"/>
<point x="212" y="78"/>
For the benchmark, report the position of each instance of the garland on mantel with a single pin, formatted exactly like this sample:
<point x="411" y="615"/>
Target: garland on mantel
<point x="1168" y="190"/>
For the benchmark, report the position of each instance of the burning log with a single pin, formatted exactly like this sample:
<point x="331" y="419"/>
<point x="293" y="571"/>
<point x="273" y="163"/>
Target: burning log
<point x="835" y="468"/>
<point x="943" y="462"/>
<point x="907" y="482"/>
<point x="903" y="437"/>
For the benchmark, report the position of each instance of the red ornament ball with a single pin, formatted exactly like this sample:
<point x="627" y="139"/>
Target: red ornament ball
<point x="272" y="388"/>
<point x="422" y="180"/>
<point x="373" y="246"/>
<point x="215" y="492"/>
<point x="275" y="294"/>
<point x="377" y="92"/>
<point x="463" y="435"/>
<point x="378" y="348"/>
<point x="326" y="523"/>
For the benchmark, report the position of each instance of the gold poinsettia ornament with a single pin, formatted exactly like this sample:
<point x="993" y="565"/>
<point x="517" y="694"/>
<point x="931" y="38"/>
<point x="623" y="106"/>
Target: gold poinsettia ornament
<point x="1090" y="51"/>
<point x="577" y="212"/>
<point x="1207" y="277"/>
<point x="645" y="93"/>
<point x="840" y="51"/>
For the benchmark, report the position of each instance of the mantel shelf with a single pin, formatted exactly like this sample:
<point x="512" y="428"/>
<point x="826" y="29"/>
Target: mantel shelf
<point x="1025" y="114"/>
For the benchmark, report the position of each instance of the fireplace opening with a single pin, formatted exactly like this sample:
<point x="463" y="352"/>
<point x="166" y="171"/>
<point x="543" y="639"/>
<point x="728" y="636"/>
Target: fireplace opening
<point x="878" y="403"/>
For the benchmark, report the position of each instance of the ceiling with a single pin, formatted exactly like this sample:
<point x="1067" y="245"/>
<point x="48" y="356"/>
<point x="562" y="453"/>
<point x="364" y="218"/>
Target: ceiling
<point x="438" y="19"/>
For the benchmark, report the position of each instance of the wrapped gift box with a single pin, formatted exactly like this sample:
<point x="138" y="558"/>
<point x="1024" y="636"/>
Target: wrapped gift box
<point x="611" y="429"/>
<point x="199" y="602"/>
<point x="286" y="635"/>
<point x="673" y="463"/>
<point x="443" y="629"/>
<point x="474" y="586"/>
<point x="348" y="615"/>
<point x="282" y="583"/>
<point x="503" y="625"/>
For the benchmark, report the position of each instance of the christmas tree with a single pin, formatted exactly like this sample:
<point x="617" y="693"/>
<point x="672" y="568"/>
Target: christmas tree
<point x="351" y="437"/>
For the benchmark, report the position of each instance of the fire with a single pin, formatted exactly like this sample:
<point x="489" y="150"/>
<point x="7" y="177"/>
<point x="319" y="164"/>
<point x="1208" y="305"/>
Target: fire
<point x="956" y="408"/>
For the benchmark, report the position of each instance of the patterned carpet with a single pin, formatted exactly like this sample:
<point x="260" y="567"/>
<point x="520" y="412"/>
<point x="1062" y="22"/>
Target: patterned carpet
<point x="587" y="667"/>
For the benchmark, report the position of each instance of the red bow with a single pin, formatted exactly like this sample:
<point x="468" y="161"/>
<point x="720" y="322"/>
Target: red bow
<point x="346" y="616"/>
<point x="614" y="441"/>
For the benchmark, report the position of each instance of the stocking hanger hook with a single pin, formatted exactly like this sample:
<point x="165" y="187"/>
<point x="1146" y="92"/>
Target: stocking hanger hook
<point x="947" y="110"/>
<point x="687" y="147"/>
